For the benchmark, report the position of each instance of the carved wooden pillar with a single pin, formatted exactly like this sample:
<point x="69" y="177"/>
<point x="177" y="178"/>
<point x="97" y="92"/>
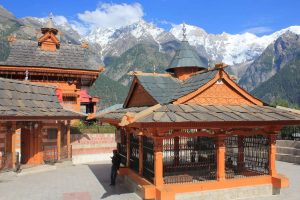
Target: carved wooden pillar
<point x="141" y="155"/>
<point x="69" y="139"/>
<point x="220" y="144"/>
<point x="13" y="144"/>
<point x="272" y="154"/>
<point x="158" y="161"/>
<point x="58" y="141"/>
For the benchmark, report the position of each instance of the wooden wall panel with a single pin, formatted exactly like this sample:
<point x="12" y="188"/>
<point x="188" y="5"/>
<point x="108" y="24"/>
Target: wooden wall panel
<point x="220" y="94"/>
<point x="140" y="97"/>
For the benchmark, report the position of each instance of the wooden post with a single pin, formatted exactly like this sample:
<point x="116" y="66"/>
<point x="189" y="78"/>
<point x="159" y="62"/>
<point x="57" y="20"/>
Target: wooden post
<point x="272" y="154"/>
<point x="58" y="144"/>
<point x="240" y="163"/>
<point x="69" y="139"/>
<point x="13" y="144"/>
<point x="141" y="155"/>
<point x="128" y="148"/>
<point x="220" y="141"/>
<point x="158" y="162"/>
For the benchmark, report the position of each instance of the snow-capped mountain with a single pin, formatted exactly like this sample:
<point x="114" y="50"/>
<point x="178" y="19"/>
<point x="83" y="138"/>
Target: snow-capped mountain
<point x="238" y="50"/>
<point x="230" y="48"/>
<point x="115" y="41"/>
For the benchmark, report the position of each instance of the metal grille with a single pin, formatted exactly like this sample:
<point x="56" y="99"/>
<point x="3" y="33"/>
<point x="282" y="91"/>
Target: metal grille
<point x="50" y="153"/>
<point x="189" y="159"/>
<point x="122" y="148"/>
<point x="134" y="152"/>
<point x="5" y="161"/>
<point x="148" y="158"/>
<point x="290" y="133"/>
<point x="247" y="156"/>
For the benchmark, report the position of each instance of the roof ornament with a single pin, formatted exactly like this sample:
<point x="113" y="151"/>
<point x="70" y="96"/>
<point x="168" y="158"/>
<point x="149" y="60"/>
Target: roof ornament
<point x="183" y="32"/>
<point x="50" y="23"/>
<point x="26" y="75"/>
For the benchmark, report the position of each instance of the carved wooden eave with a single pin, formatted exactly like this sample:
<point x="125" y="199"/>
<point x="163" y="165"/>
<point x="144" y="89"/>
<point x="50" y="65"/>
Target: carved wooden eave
<point x="129" y="117"/>
<point x="51" y="71"/>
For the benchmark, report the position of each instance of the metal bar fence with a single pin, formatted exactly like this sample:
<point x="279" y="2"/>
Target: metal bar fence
<point x="148" y="158"/>
<point x="5" y="161"/>
<point x="134" y="153"/>
<point x="290" y="133"/>
<point x="50" y="154"/>
<point x="122" y="148"/>
<point x="246" y="156"/>
<point x="189" y="159"/>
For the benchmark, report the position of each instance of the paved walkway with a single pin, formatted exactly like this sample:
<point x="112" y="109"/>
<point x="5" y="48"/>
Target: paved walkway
<point x="292" y="171"/>
<point x="91" y="182"/>
<point x="81" y="182"/>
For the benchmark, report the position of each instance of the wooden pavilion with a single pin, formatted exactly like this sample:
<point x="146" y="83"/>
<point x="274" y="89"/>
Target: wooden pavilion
<point x="195" y="133"/>
<point x="31" y="121"/>
<point x="47" y="61"/>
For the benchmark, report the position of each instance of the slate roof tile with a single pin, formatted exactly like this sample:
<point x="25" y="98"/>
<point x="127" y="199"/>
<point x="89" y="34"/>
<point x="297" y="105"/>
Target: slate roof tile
<point x="20" y="98"/>
<point x="68" y="56"/>
<point x="204" y="113"/>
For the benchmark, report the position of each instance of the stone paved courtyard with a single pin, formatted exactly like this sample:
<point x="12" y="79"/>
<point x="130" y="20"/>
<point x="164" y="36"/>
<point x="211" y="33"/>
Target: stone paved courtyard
<point x="91" y="182"/>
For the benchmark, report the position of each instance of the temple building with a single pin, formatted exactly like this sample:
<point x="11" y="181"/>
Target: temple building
<point x="34" y="127"/>
<point x="50" y="62"/>
<point x="194" y="133"/>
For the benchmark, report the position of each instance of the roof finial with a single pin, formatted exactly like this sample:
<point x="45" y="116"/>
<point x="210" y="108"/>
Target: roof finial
<point x="184" y="32"/>
<point x="50" y="21"/>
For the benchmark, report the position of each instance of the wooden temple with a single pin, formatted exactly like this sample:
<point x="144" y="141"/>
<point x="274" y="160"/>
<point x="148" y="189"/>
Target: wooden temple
<point x="32" y="122"/>
<point x="48" y="61"/>
<point x="194" y="133"/>
<point x="34" y="127"/>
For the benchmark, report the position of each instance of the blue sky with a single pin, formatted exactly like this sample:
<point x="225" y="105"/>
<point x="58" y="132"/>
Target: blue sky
<point x="215" y="16"/>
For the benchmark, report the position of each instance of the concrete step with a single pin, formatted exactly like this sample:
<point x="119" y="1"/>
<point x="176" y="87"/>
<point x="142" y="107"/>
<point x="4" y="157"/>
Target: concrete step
<point x="288" y="150"/>
<point x="37" y="169"/>
<point x="100" y="145"/>
<point x="288" y="143"/>
<point x="288" y="158"/>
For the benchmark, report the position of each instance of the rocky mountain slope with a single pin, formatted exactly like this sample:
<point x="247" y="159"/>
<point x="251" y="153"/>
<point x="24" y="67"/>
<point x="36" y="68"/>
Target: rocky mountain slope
<point x="142" y="45"/>
<point x="284" y="85"/>
<point x="285" y="49"/>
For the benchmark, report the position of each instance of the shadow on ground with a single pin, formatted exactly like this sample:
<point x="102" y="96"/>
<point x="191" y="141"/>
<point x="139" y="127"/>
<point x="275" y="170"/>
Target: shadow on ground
<point x="102" y="173"/>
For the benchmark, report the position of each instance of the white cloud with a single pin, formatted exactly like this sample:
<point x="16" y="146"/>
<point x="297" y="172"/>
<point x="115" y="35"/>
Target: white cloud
<point x="110" y="15"/>
<point x="258" y="30"/>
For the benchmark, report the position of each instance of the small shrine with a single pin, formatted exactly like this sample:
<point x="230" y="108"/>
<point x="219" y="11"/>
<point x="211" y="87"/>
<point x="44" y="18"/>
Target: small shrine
<point x="34" y="127"/>
<point x="48" y="61"/>
<point x="195" y="133"/>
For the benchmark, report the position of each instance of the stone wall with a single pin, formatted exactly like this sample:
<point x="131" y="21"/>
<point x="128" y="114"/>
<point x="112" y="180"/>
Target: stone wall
<point x="92" y="147"/>
<point x="288" y="151"/>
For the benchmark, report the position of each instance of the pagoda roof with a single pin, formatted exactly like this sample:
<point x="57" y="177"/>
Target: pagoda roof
<point x="68" y="56"/>
<point x="193" y="113"/>
<point x="24" y="100"/>
<point x="186" y="56"/>
<point x="165" y="89"/>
